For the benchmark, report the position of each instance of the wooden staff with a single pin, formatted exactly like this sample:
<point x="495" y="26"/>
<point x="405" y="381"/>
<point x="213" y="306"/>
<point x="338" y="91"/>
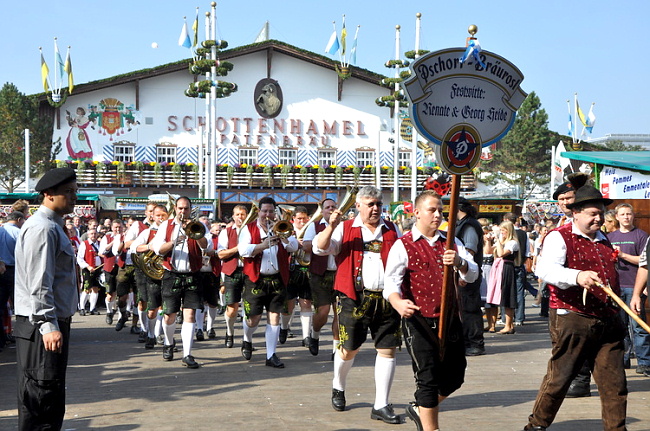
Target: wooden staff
<point x="448" y="295"/>
<point x="608" y="290"/>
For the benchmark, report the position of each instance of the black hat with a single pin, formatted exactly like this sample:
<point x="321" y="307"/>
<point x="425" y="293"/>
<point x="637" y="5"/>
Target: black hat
<point x="55" y="177"/>
<point x="587" y="194"/>
<point x="576" y="180"/>
<point x="563" y="188"/>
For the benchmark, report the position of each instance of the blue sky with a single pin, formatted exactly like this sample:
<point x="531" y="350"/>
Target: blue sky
<point x="593" y="48"/>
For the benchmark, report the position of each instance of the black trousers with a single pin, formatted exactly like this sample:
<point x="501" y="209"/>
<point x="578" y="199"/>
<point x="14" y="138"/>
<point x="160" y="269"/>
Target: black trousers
<point x="470" y="297"/>
<point x="6" y="293"/>
<point x="41" y="377"/>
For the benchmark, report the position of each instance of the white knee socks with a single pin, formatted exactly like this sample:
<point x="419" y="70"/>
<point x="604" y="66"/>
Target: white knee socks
<point x="341" y="370"/>
<point x="384" y="373"/>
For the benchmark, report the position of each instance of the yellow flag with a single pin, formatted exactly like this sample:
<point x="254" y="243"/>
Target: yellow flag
<point x="581" y="115"/>
<point x="68" y="69"/>
<point x="44" y="72"/>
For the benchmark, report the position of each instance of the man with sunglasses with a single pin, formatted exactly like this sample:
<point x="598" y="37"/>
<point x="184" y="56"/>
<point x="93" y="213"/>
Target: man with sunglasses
<point x="361" y="248"/>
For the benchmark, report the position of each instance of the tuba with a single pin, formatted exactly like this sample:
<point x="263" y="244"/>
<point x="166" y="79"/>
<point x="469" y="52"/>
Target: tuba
<point x="149" y="263"/>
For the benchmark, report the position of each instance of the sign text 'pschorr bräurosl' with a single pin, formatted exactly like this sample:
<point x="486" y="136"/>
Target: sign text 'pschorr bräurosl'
<point x="463" y="105"/>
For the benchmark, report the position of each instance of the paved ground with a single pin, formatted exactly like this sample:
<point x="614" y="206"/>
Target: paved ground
<point x="114" y="384"/>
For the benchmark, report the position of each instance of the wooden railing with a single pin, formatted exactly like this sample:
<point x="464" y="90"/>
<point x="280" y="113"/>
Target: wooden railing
<point x="169" y="179"/>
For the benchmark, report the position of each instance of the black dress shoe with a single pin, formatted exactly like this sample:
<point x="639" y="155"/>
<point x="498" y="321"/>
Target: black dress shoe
<point x="120" y="323"/>
<point x="142" y="337"/>
<point x="578" y="390"/>
<point x="168" y="353"/>
<point x="212" y="334"/>
<point x="229" y="341"/>
<point x="414" y="414"/>
<point x="338" y="400"/>
<point x="274" y="362"/>
<point x="150" y="343"/>
<point x="82" y="312"/>
<point x="94" y="312"/>
<point x="189" y="362"/>
<point x="313" y="346"/>
<point x="385" y="414"/>
<point x="474" y="351"/>
<point x="199" y="335"/>
<point x="246" y="350"/>
<point x="283" y="335"/>
<point x="109" y="318"/>
<point x="135" y="330"/>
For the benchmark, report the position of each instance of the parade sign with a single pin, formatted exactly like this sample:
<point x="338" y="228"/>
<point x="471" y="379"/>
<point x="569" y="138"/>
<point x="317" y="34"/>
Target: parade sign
<point x="462" y="106"/>
<point x="616" y="183"/>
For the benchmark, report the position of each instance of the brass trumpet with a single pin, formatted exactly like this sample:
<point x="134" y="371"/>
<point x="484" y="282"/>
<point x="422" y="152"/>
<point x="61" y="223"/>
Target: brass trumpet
<point x="283" y="228"/>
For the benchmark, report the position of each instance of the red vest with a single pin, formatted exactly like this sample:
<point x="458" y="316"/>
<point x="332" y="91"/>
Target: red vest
<point x="252" y="265"/>
<point x="318" y="264"/>
<point x="215" y="262"/>
<point x="350" y="259"/>
<point x="422" y="281"/>
<point x="109" y="258"/>
<point x="587" y="255"/>
<point x="90" y="254"/>
<point x="193" y="248"/>
<point x="229" y="266"/>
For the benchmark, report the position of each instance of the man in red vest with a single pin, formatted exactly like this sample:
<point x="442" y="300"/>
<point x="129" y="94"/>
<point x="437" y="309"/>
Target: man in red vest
<point x="182" y="259"/>
<point x="361" y="247"/>
<point x="232" y="268"/>
<point x="584" y="323"/>
<point x="110" y="266"/>
<point x="266" y="270"/>
<point x="146" y="284"/>
<point x="210" y="279"/>
<point x="413" y="285"/>
<point x="90" y="263"/>
<point x="322" y="271"/>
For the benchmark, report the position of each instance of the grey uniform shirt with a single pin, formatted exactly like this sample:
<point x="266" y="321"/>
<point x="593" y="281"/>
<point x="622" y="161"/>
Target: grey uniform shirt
<point x="46" y="281"/>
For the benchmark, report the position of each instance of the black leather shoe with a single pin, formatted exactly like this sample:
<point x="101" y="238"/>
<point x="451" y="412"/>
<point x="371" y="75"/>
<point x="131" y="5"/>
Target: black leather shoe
<point x="199" y="335"/>
<point x="142" y="337"/>
<point x="246" y="350"/>
<point x="212" y="334"/>
<point x="94" y="312"/>
<point x="578" y="390"/>
<point x="414" y="414"/>
<point x="229" y="341"/>
<point x="120" y="323"/>
<point x="168" y="353"/>
<point x="150" y="343"/>
<point x="135" y="330"/>
<point x="189" y="362"/>
<point x="283" y="335"/>
<point x="474" y="351"/>
<point x="385" y="414"/>
<point x="82" y="312"/>
<point x="529" y="427"/>
<point x="274" y="362"/>
<point x="313" y="346"/>
<point x="338" y="400"/>
<point x="109" y="318"/>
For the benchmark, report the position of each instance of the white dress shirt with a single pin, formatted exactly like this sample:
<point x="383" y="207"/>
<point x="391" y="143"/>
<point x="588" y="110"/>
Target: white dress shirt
<point x="180" y="252"/>
<point x="550" y="264"/>
<point x="372" y="270"/>
<point x="310" y="234"/>
<point x="269" y="265"/>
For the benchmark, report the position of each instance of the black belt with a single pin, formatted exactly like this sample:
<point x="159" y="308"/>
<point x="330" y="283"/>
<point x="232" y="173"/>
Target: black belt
<point x="67" y="320"/>
<point x="488" y="260"/>
<point x="269" y="277"/>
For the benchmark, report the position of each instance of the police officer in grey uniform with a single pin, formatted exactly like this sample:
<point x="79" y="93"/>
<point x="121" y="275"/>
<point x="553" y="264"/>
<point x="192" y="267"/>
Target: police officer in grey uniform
<point x="45" y="300"/>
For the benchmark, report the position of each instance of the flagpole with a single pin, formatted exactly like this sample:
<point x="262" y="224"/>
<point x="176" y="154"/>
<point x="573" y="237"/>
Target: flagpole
<point x="208" y="121"/>
<point x="414" y="134"/>
<point x="26" y="161"/>
<point x="213" y="110"/>
<point x="575" y="123"/>
<point x="553" y="149"/>
<point x="55" y="89"/>
<point x="396" y="122"/>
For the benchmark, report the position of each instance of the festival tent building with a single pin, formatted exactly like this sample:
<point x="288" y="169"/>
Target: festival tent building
<point x="297" y="128"/>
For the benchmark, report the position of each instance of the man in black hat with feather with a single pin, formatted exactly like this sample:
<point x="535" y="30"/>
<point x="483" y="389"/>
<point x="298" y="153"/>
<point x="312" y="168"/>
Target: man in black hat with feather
<point x="576" y="260"/>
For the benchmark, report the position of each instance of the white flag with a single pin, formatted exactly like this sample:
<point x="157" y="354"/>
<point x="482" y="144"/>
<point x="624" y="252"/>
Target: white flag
<point x="560" y="164"/>
<point x="263" y="34"/>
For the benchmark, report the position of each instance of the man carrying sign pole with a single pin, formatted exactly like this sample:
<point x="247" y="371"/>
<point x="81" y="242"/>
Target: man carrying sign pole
<point x="436" y="348"/>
